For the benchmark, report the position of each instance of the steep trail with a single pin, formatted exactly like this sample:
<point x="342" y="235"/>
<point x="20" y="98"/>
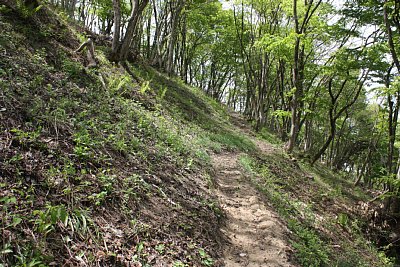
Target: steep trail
<point x="255" y="234"/>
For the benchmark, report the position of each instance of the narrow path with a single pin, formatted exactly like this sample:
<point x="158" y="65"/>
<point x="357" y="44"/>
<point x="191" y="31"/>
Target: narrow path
<point x="254" y="232"/>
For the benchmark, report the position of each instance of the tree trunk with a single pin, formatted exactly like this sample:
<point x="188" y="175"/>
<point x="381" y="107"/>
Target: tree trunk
<point x="183" y="55"/>
<point x="120" y="53"/>
<point x="173" y="37"/>
<point x="117" y="27"/>
<point x="390" y="36"/>
<point x="297" y="82"/>
<point x="148" y="35"/>
<point x="328" y="141"/>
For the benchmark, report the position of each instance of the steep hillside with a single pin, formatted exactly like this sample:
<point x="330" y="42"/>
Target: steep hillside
<point x="102" y="167"/>
<point x="95" y="168"/>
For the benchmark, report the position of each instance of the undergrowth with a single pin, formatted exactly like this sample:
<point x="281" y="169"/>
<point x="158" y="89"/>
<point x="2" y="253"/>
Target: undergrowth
<point x="314" y="228"/>
<point x="90" y="157"/>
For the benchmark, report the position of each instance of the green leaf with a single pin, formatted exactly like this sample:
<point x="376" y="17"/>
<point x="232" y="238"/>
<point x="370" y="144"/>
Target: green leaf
<point x="343" y="219"/>
<point x="63" y="215"/>
<point x="140" y="247"/>
<point x="8" y="200"/>
<point x="281" y="113"/>
<point x="16" y="220"/>
<point x="84" y="226"/>
<point x="202" y="253"/>
<point x="38" y="8"/>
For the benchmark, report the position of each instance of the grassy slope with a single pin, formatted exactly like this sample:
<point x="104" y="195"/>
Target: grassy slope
<point x="328" y="218"/>
<point x="122" y="174"/>
<point x="98" y="175"/>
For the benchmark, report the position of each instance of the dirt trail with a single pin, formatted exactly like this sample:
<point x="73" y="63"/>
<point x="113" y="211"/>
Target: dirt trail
<point x="256" y="236"/>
